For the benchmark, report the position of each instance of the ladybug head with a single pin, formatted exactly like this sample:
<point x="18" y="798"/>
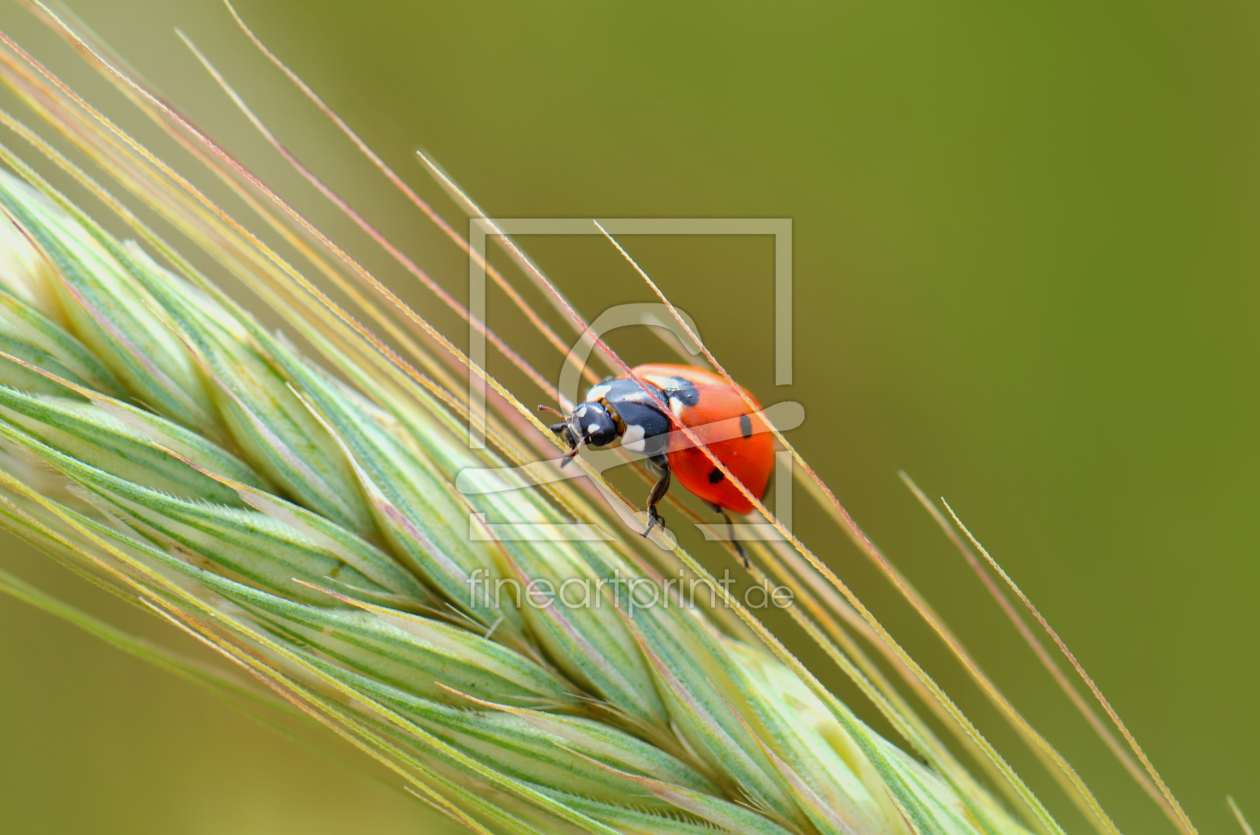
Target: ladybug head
<point x="593" y="424"/>
<point x="590" y="424"/>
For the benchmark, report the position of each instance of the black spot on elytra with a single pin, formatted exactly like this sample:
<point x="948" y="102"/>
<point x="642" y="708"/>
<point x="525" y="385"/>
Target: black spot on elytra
<point x="716" y="475"/>
<point x="679" y="389"/>
<point x="745" y="426"/>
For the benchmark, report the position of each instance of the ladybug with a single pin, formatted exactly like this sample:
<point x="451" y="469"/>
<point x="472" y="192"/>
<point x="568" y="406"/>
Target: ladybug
<point x="619" y="408"/>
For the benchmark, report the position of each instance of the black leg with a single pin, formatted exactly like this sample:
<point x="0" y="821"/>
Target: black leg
<point x="655" y="520"/>
<point x="660" y="466"/>
<point x="730" y="531"/>
<point x="565" y="431"/>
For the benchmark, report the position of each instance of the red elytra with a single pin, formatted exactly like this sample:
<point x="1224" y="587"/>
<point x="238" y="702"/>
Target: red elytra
<point x="749" y="456"/>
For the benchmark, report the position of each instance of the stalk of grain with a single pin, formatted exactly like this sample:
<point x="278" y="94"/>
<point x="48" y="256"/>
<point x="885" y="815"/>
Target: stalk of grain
<point x="314" y="535"/>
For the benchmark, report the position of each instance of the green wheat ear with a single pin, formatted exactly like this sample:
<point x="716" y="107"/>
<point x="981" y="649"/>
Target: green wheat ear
<point x="301" y="519"/>
<point x="656" y="722"/>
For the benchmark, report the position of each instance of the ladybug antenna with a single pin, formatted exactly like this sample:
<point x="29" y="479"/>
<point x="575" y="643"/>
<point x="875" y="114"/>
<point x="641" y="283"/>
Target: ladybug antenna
<point x="555" y="412"/>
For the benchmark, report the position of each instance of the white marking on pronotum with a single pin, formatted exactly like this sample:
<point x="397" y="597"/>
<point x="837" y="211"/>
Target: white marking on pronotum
<point x="677" y="406"/>
<point x="663" y="382"/>
<point x="632" y="439"/>
<point x="581" y="412"/>
<point x="598" y="391"/>
<point x="592" y="427"/>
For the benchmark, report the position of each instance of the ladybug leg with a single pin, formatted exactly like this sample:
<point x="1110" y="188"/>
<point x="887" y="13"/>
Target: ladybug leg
<point x="730" y="531"/>
<point x="565" y="432"/>
<point x="655" y="520"/>
<point x="659" y="466"/>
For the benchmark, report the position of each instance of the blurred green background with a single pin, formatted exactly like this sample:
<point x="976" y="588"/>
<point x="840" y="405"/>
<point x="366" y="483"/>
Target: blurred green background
<point x="1026" y="266"/>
